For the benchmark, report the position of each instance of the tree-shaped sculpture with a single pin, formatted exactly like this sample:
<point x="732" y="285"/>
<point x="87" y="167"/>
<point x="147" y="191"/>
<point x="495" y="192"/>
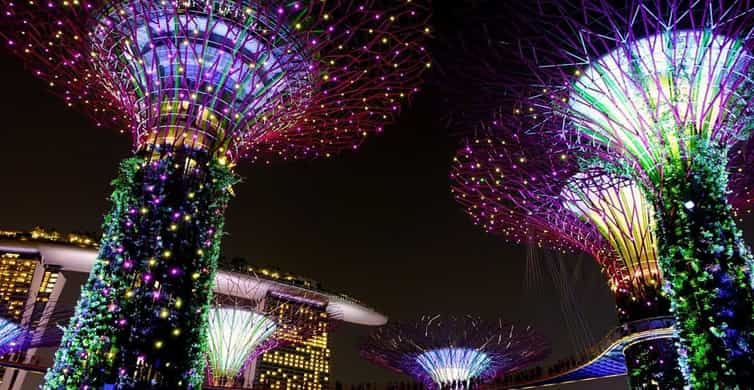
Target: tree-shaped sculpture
<point x="243" y="325"/>
<point x="13" y="337"/>
<point x="454" y="352"/>
<point x="661" y="92"/>
<point x="236" y="336"/>
<point x="528" y="187"/>
<point x="32" y="326"/>
<point x="200" y="85"/>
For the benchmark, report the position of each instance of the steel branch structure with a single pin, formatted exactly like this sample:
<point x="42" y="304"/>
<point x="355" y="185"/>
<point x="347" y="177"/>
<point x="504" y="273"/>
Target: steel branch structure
<point x="620" y="212"/>
<point x="238" y="77"/>
<point x="454" y="352"/>
<point x="528" y="187"/>
<point x="647" y="84"/>
<point x="236" y="336"/>
<point x="200" y="84"/>
<point x="661" y="92"/>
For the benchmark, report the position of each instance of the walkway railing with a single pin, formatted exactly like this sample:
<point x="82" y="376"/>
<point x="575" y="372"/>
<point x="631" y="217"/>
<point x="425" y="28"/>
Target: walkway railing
<point x="614" y="342"/>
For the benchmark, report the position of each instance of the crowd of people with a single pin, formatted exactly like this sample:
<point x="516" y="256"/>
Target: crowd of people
<point x="470" y="384"/>
<point x="373" y="386"/>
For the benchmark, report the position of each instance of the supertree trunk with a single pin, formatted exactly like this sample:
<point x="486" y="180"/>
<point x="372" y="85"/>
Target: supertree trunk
<point x="142" y="317"/>
<point x="707" y="268"/>
<point x="653" y="364"/>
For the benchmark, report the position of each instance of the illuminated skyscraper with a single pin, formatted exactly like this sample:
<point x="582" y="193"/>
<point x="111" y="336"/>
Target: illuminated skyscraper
<point x="16" y="274"/>
<point x="304" y="363"/>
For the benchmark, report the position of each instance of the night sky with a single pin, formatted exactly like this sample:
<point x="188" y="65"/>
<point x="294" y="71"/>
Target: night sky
<point x="379" y="224"/>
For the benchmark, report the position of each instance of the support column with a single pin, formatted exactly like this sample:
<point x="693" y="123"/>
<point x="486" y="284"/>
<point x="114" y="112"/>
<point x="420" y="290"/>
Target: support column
<point x="142" y="317"/>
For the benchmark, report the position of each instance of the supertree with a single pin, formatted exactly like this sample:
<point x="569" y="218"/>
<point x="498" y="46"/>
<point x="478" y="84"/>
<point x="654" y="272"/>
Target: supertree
<point x="661" y="92"/>
<point x="11" y="335"/>
<point x="528" y="187"/>
<point x="243" y="325"/>
<point x="238" y="331"/>
<point x="199" y="85"/>
<point x="30" y="327"/>
<point x="454" y="352"/>
<point x="236" y="336"/>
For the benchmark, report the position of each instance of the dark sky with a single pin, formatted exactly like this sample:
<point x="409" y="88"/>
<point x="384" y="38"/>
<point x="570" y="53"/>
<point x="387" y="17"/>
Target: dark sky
<point x="379" y="224"/>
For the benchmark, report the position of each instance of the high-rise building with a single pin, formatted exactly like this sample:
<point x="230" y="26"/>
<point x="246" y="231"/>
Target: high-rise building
<point x="41" y="271"/>
<point x="16" y="274"/>
<point x="304" y="362"/>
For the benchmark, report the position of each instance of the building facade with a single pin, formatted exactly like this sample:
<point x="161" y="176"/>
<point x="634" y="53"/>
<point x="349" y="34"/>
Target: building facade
<point x="304" y="362"/>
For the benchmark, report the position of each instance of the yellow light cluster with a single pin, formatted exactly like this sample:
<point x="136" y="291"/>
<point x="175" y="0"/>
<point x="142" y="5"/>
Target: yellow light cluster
<point x="271" y="274"/>
<point x="40" y="234"/>
<point x="304" y="363"/>
<point x="16" y="274"/>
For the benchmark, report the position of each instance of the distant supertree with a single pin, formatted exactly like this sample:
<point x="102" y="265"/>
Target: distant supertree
<point x="528" y="187"/>
<point x="31" y="327"/>
<point x="200" y="84"/>
<point x="243" y="326"/>
<point x="236" y="336"/>
<point x="661" y="92"/>
<point x="454" y="352"/>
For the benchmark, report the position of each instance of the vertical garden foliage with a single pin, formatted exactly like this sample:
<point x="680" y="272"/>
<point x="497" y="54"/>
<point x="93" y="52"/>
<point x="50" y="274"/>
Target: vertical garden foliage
<point x="707" y="268"/>
<point x="653" y="364"/>
<point x="142" y="316"/>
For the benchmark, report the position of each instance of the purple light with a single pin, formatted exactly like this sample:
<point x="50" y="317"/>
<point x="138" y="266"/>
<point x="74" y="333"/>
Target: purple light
<point x="437" y="350"/>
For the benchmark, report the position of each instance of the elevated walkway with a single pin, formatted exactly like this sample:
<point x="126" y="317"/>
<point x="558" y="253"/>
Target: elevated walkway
<point x="603" y="360"/>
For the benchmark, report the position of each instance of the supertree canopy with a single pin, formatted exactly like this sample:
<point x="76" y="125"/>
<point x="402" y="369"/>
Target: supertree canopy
<point x="454" y="352"/>
<point x="237" y="77"/>
<point x="661" y="92"/>
<point x="200" y="85"/>
<point x="528" y="187"/>
<point x="244" y="324"/>
<point x="510" y="182"/>
<point x="239" y="330"/>
<point x="235" y="337"/>
<point x="11" y="335"/>
<point x="661" y="97"/>
<point x="620" y="212"/>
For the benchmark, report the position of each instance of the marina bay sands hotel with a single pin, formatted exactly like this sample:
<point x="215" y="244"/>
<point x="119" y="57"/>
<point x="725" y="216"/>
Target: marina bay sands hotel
<point x="41" y="273"/>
